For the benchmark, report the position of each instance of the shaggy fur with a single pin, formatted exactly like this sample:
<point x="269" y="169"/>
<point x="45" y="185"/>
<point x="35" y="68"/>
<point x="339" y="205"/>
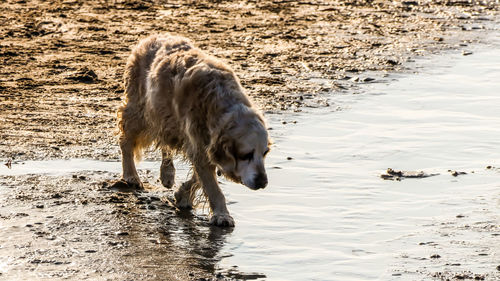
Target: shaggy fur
<point x="184" y="101"/>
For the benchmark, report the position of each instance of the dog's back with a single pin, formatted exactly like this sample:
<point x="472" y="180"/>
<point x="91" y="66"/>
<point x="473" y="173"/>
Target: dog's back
<point x="140" y="61"/>
<point x="175" y="93"/>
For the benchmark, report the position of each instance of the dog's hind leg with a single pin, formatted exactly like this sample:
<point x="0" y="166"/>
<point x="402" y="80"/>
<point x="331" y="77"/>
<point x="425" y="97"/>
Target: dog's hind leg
<point x="167" y="169"/>
<point x="130" y="143"/>
<point x="185" y="194"/>
<point x="130" y="175"/>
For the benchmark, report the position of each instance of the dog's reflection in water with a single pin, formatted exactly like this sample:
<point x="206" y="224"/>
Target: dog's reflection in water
<point x="163" y="240"/>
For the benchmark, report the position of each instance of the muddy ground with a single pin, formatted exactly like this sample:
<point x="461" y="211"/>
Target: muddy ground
<point x="60" y="86"/>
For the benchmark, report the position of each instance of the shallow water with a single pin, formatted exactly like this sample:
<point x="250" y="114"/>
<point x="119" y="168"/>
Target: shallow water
<point x="327" y="214"/>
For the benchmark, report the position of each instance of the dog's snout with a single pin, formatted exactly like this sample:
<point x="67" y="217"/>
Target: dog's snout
<point x="260" y="181"/>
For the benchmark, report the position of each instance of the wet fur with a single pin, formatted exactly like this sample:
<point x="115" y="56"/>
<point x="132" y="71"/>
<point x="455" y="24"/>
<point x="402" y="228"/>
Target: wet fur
<point x="184" y="102"/>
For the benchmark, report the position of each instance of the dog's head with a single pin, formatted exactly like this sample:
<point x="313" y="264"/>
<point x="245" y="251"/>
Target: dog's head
<point x="240" y="148"/>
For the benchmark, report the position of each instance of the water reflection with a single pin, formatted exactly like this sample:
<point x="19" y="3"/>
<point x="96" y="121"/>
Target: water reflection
<point x="160" y="236"/>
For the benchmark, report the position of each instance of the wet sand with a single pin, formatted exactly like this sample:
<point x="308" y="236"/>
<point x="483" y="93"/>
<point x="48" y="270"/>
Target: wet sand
<point x="61" y="85"/>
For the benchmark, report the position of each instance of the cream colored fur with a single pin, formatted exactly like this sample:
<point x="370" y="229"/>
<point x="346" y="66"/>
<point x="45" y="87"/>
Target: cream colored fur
<point x="184" y="101"/>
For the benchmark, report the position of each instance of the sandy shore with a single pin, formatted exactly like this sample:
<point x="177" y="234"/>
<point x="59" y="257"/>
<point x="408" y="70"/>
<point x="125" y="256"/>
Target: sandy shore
<point x="62" y="62"/>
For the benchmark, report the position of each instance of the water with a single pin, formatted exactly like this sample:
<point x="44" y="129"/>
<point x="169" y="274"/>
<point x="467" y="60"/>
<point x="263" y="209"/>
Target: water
<point x="327" y="214"/>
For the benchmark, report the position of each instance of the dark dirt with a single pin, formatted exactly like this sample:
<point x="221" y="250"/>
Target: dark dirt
<point x="61" y="83"/>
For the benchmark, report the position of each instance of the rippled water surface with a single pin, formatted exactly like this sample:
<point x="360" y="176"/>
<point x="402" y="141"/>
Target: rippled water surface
<point x="327" y="214"/>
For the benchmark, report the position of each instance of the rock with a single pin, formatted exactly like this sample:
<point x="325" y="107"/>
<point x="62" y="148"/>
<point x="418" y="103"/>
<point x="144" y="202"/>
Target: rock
<point x="410" y="3"/>
<point x="56" y="195"/>
<point x="456" y="174"/>
<point x="398" y="175"/>
<point x="435" y="256"/>
<point x="463" y="16"/>
<point x="392" y="62"/>
<point x="84" y="75"/>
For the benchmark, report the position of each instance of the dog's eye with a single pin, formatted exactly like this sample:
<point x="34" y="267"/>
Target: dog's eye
<point x="266" y="152"/>
<point x="247" y="157"/>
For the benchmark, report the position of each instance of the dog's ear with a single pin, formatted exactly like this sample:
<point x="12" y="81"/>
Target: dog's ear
<point x="222" y="151"/>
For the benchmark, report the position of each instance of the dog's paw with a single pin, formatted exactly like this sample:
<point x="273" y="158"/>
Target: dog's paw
<point x="133" y="182"/>
<point x="183" y="200"/>
<point x="222" y="220"/>
<point x="167" y="182"/>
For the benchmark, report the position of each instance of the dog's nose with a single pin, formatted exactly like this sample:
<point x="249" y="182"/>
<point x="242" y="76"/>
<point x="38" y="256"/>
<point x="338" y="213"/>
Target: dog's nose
<point x="260" y="181"/>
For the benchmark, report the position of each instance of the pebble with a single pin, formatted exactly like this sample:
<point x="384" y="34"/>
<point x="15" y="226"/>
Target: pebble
<point x="463" y="16"/>
<point x="456" y="173"/>
<point x="56" y="195"/>
<point x="40" y="206"/>
<point x="466" y="53"/>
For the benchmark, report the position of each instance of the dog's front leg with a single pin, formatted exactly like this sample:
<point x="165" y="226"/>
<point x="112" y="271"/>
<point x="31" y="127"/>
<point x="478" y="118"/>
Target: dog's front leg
<point x="220" y="216"/>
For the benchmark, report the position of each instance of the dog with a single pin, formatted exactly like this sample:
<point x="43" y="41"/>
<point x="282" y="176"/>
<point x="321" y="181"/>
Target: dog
<point x="186" y="102"/>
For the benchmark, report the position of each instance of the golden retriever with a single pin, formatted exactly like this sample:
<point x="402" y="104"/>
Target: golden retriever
<point x="186" y="102"/>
